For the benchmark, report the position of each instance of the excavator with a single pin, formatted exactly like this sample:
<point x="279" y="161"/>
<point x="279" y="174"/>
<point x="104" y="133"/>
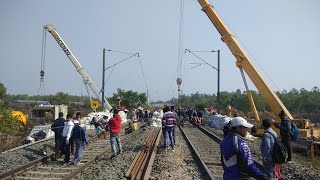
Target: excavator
<point x="21" y="117"/>
<point x="243" y="62"/>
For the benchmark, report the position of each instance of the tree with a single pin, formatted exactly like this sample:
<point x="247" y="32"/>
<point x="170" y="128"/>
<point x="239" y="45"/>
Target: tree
<point x="62" y="98"/>
<point x="3" y="95"/>
<point x="8" y="124"/>
<point x="129" y="99"/>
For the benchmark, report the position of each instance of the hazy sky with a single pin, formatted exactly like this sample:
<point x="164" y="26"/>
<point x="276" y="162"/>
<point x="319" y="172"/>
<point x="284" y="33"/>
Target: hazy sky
<point x="281" y="37"/>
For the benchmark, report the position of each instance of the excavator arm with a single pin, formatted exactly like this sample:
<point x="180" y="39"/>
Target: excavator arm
<point x="83" y="73"/>
<point x="243" y="61"/>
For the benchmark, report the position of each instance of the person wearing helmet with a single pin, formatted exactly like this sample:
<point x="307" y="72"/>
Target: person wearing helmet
<point x="236" y="156"/>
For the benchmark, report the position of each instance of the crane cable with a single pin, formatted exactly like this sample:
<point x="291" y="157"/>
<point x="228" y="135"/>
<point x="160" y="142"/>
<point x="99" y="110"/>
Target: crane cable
<point x="180" y="45"/>
<point x="180" y="39"/>
<point x="41" y="90"/>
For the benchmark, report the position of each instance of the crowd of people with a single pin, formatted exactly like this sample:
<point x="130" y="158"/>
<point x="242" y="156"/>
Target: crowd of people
<point x="68" y="133"/>
<point x="70" y="137"/>
<point x="236" y="156"/>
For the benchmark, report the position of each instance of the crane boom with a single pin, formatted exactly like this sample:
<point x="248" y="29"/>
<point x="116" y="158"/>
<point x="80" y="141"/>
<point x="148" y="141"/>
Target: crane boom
<point x="83" y="73"/>
<point x="243" y="61"/>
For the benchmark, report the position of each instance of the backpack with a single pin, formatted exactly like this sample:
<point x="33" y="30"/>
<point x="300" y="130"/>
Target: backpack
<point x="279" y="153"/>
<point x="294" y="132"/>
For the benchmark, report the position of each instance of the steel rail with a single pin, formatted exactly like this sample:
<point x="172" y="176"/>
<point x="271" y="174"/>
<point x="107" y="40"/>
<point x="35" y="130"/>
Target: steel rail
<point x="152" y="157"/>
<point x="218" y="139"/>
<point x="208" y="174"/>
<point x="20" y="169"/>
<point x="26" y="145"/>
<point x="61" y="172"/>
<point x="81" y="168"/>
<point x="141" y="166"/>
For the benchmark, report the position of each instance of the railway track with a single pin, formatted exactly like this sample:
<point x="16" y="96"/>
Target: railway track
<point x="205" y="146"/>
<point x="44" y="168"/>
<point x="206" y="149"/>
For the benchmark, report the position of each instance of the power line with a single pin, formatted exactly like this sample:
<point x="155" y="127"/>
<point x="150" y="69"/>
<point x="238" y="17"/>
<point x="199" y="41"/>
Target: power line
<point x="145" y="81"/>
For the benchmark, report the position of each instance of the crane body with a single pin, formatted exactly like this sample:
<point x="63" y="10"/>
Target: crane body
<point x="243" y="61"/>
<point x="83" y="73"/>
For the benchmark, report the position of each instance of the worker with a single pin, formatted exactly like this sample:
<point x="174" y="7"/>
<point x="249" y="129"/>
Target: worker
<point x="100" y="130"/>
<point x="266" y="148"/>
<point x="79" y="137"/>
<point x="210" y="109"/>
<point x="236" y="157"/>
<point x="134" y="124"/>
<point x="57" y="128"/>
<point x="66" y="135"/>
<point x="119" y="103"/>
<point x="285" y="133"/>
<point x="168" y="123"/>
<point x="174" y="126"/>
<point x="76" y="118"/>
<point x="115" y="128"/>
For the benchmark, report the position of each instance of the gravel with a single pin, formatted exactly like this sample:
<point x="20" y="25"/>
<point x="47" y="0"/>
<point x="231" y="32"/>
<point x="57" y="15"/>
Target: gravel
<point x="14" y="158"/>
<point x="177" y="164"/>
<point x="115" y="168"/>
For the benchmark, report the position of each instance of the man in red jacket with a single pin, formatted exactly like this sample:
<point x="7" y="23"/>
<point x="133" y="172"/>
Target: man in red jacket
<point x="115" y="128"/>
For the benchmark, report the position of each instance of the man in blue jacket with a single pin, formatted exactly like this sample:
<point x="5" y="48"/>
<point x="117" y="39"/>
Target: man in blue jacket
<point x="285" y="133"/>
<point x="79" y="137"/>
<point x="236" y="156"/>
<point x="266" y="147"/>
<point x="57" y="128"/>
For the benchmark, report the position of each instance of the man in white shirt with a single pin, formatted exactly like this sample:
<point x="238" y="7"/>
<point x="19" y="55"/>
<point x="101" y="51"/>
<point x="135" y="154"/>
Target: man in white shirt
<point x="66" y="135"/>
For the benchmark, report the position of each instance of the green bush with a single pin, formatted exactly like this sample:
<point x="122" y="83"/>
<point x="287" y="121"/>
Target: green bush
<point x="8" y="124"/>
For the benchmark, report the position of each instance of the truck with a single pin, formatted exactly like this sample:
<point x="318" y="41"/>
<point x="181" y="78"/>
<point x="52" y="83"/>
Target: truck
<point x="82" y="72"/>
<point x="243" y="62"/>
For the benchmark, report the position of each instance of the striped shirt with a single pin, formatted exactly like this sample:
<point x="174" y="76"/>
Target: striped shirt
<point x="168" y="119"/>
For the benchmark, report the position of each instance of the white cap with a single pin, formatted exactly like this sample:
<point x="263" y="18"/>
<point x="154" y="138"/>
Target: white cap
<point x="240" y="121"/>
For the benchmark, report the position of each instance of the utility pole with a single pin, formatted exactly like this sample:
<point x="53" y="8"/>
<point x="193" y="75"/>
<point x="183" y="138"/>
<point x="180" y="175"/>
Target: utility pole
<point x="218" y="93"/>
<point x="217" y="69"/>
<point x="103" y="71"/>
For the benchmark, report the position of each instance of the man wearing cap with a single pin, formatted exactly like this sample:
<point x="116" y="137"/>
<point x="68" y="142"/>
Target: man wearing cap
<point x="236" y="156"/>
<point x="79" y="137"/>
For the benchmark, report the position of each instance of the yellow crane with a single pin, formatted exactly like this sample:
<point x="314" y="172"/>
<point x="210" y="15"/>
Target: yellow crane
<point x="243" y="62"/>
